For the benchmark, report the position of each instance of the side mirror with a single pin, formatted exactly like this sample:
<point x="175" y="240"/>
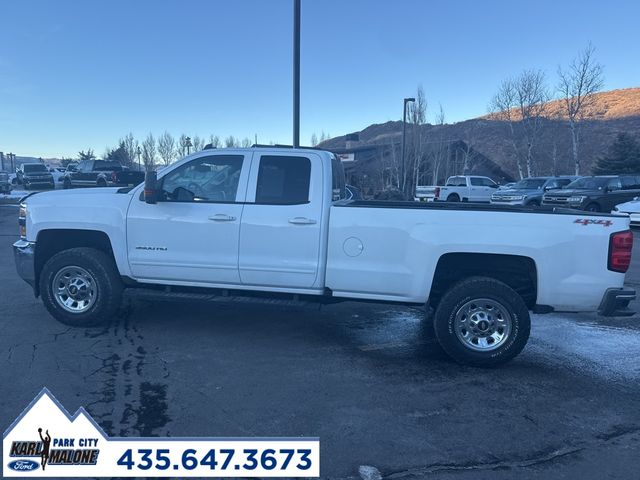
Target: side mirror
<point x="151" y="187"/>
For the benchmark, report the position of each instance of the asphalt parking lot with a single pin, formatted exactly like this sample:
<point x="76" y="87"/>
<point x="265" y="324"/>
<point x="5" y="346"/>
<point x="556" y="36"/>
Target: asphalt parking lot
<point x="368" y="380"/>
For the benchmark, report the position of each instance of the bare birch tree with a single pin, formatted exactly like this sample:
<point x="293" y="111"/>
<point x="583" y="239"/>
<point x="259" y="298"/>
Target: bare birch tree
<point x="197" y="142"/>
<point x="166" y="147"/>
<point x="577" y="84"/>
<point x="130" y="147"/>
<point x="520" y="103"/>
<point x="149" y="152"/>
<point x="182" y="147"/>
<point x="441" y="150"/>
<point x="415" y="153"/>
<point x="214" y="140"/>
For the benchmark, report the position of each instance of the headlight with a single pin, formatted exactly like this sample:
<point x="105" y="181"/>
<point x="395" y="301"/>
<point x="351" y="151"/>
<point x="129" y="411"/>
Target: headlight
<point x="576" y="199"/>
<point x="22" y="220"/>
<point x="514" y="197"/>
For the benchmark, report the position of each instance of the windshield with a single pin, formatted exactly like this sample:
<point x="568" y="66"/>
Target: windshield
<point x="35" y="168"/>
<point x="530" y="183"/>
<point x="589" y="183"/>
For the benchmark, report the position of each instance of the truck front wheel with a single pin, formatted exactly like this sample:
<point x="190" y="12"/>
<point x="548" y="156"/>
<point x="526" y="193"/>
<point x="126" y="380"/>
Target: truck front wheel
<point x="482" y="322"/>
<point x="81" y="287"/>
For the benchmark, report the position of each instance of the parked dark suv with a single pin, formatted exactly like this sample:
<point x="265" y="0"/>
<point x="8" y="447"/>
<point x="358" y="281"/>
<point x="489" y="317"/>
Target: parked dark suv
<point x="595" y="194"/>
<point x="529" y="191"/>
<point x="34" y="175"/>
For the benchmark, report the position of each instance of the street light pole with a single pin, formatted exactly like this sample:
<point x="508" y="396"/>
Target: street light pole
<point x="188" y="145"/>
<point x="296" y="73"/>
<point x="404" y="134"/>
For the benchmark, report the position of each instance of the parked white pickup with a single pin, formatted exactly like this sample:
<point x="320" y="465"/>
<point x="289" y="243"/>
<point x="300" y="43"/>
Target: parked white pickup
<point x="235" y="222"/>
<point x="467" y="188"/>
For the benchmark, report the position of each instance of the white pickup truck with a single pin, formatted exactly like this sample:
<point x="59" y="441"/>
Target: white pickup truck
<point x="467" y="188"/>
<point x="242" y="222"/>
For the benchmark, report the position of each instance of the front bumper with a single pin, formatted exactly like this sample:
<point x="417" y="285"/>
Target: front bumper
<point x="615" y="302"/>
<point x="24" y="254"/>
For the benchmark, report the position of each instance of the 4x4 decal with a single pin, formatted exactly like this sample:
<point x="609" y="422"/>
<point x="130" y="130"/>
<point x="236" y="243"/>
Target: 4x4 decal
<point x="589" y="221"/>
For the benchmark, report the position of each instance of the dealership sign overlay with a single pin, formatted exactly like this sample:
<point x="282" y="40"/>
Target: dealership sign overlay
<point x="45" y="441"/>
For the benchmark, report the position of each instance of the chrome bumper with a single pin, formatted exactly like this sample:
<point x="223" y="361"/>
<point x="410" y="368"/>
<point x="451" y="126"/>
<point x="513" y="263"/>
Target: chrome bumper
<point x="615" y="302"/>
<point x="24" y="256"/>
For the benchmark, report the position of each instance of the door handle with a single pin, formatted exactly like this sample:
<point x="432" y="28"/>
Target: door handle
<point x="302" y="221"/>
<point x="221" y="217"/>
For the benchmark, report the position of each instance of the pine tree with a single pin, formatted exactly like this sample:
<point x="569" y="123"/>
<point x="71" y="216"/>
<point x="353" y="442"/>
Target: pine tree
<point x="623" y="157"/>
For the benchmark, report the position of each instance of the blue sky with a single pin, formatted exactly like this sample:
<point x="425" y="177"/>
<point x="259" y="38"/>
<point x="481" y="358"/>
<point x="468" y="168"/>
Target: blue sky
<point x="81" y="74"/>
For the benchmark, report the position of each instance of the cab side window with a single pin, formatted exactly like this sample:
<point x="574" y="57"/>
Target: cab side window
<point x="614" y="184"/>
<point x="630" y="182"/>
<point x="207" y="179"/>
<point x="283" y="180"/>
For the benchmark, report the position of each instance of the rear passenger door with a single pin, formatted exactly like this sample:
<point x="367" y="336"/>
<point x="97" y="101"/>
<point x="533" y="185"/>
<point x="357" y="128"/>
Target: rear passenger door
<point x="281" y="221"/>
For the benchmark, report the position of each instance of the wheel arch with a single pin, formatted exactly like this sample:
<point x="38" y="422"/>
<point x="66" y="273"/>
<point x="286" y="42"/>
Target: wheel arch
<point x="51" y="241"/>
<point x="516" y="271"/>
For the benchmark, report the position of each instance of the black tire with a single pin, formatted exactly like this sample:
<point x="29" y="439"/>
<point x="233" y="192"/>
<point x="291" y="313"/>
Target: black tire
<point x="101" y="182"/>
<point x="592" y="207"/>
<point x="66" y="184"/>
<point x="465" y="292"/>
<point x="533" y="203"/>
<point x="108" y="286"/>
<point x="454" y="197"/>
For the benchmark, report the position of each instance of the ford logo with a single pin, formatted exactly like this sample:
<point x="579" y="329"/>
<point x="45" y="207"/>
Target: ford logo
<point x="23" y="465"/>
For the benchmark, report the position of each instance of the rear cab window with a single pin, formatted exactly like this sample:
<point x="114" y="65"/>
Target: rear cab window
<point x="283" y="180"/>
<point x="338" y="184"/>
<point x="456" y="182"/>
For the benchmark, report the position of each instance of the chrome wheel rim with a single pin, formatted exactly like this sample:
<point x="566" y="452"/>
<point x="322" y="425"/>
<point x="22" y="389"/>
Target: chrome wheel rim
<point x="483" y="324"/>
<point x="74" y="289"/>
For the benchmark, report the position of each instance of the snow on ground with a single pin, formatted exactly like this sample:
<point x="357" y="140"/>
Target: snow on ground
<point x="12" y="197"/>
<point x="599" y="350"/>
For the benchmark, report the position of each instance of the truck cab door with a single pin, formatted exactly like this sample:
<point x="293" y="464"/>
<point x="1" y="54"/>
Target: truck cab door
<point x="281" y="221"/>
<point x="191" y="234"/>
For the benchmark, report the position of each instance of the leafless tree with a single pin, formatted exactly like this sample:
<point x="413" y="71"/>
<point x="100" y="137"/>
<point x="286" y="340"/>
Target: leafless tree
<point x="166" y="147"/>
<point x="182" y="147"/>
<point x="230" y="142"/>
<point x="130" y="147"/>
<point x="520" y="102"/>
<point x="441" y="148"/>
<point x="214" y="140"/>
<point x="246" y="142"/>
<point x="414" y="156"/>
<point x="197" y="142"/>
<point x="314" y="139"/>
<point x="577" y="84"/>
<point x="149" y="152"/>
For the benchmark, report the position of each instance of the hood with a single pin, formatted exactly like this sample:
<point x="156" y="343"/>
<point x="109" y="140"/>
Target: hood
<point x="521" y="191"/>
<point x="629" y="207"/>
<point x="52" y="195"/>
<point x="571" y="192"/>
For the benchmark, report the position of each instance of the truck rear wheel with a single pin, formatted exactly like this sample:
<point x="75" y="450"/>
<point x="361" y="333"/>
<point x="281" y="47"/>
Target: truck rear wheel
<point x="482" y="322"/>
<point x="454" y="197"/>
<point x="81" y="287"/>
